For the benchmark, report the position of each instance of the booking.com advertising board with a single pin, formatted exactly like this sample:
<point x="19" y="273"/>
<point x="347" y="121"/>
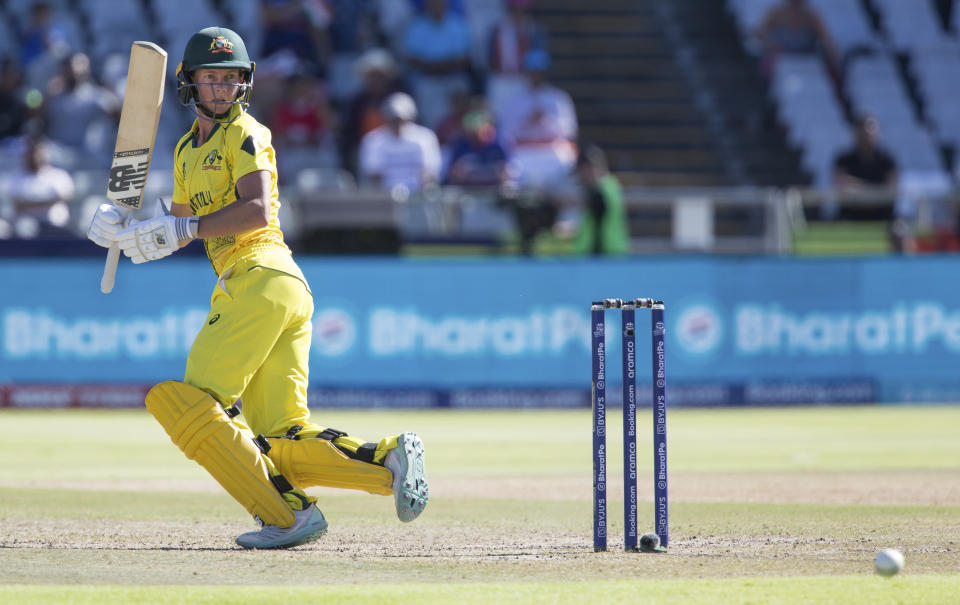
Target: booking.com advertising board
<point x="508" y="332"/>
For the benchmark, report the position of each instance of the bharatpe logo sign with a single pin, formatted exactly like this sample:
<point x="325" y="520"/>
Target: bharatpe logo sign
<point x="38" y="334"/>
<point x="699" y="329"/>
<point x="403" y="332"/>
<point x="768" y="329"/>
<point x="334" y="332"/>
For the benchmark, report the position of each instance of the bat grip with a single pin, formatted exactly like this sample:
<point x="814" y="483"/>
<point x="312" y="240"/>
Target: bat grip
<point x="110" y="269"/>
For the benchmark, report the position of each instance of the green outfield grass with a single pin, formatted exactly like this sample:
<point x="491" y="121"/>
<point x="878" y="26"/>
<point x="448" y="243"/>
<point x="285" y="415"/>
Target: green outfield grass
<point x="768" y="506"/>
<point x="815" y="591"/>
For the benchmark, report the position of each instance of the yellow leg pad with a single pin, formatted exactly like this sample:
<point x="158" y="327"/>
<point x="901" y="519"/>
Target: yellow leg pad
<point x="317" y="462"/>
<point x="197" y="425"/>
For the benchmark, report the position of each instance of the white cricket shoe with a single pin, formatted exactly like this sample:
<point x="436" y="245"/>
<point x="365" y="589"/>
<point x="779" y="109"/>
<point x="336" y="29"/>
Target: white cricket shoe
<point x="410" y="490"/>
<point x="308" y="526"/>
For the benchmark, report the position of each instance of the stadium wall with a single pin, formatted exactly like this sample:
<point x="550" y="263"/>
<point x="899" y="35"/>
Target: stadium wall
<point x="507" y="332"/>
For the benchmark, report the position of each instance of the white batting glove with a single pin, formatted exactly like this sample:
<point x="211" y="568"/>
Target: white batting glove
<point x="156" y="238"/>
<point x="106" y="224"/>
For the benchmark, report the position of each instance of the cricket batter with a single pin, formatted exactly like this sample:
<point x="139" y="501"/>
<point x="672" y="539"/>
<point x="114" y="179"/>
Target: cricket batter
<point x="256" y="340"/>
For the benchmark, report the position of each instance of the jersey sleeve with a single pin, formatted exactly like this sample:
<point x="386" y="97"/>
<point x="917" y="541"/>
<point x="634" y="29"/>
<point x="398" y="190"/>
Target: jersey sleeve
<point x="252" y="150"/>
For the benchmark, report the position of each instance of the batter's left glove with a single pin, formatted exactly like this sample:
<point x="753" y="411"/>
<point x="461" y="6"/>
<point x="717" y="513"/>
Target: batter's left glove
<point x="106" y="224"/>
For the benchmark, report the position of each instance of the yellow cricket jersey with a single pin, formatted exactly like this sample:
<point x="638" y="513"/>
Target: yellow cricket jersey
<point x="205" y="178"/>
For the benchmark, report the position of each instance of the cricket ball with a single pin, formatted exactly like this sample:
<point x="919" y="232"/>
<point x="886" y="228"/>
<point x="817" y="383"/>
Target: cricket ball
<point x="649" y="542"/>
<point x="889" y="562"/>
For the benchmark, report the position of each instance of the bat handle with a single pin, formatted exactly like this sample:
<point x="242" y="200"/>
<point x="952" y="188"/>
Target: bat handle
<point x="110" y="269"/>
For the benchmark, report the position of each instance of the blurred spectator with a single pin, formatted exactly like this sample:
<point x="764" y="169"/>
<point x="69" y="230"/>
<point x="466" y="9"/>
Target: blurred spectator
<point x="393" y="17"/>
<point x="272" y="76"/>
<point x="603" y="227"/>
<point x="451" y="126"/>
<point x="43" y="45"/>
<point x="378" y="75"/>
<point x="868" y="168"/>
<point x="299" y="26"/>
<point x="794" y="28"/>
<point x="476" y="157"/>
<point x="302" y="118"/>
<point x="539" y="128"/>
<point x="437" y="48"/>
<point x="400" y="156"/>
<point x="80" y="112"/>
<point x="40" y="194"/>
<point x="13" y="107"/>
<point x="513" y="36"/>
<point x="353" y="25"/>
<point x="41" y="35"/>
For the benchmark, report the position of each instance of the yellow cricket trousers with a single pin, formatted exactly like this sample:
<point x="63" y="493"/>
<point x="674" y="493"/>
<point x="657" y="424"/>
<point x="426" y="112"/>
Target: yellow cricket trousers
<point x="255" y="346"/>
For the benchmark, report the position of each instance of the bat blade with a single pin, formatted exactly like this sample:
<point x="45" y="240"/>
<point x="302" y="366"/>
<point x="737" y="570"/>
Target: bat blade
<point x="139" y="117"/>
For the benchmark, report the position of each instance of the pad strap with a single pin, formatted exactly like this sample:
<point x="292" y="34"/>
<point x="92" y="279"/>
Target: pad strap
<point x="366" y="452"/>
<point x="261" y="442"/>
<point x="280" y="482"/>
<point x="330" y="434"/>
<point x="363" y="452"/>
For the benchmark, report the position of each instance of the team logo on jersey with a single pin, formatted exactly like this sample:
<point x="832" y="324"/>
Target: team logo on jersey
<point x="221" y="45"/>
<point x="213" y="160"/>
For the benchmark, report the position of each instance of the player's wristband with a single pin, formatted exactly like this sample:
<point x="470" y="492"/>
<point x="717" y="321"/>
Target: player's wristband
<point x="187" y="228"/>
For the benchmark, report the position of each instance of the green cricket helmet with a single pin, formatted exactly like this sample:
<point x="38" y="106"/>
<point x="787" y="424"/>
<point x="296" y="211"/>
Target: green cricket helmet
<point x="214" y="48"/>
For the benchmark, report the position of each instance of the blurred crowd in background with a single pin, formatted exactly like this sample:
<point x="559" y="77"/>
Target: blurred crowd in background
<point x="397" y="95"/>
<point x="404" y="96"/>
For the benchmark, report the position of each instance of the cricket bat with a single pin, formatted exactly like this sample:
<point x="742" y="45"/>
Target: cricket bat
<point x="142" y="101"/>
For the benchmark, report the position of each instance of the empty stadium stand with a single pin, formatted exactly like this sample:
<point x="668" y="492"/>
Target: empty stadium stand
<point x="630" y="94"/>
<point x="664" y="88"/>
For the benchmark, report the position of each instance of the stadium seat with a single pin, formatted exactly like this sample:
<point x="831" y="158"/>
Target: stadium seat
<point x="243" y="17"/>
<point x="846" y="22"/>
<point x="8" y="42"/>
<point x="175" y="16"/>
<point x="809" y="109"/>
<point x="874" y="86"/>
<point x="910" y="24"/>
<point x="20" y="9"/>
<point x="937" y="75"/>
<point x="114" y="26"/>
<point x="749" y="14"/>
